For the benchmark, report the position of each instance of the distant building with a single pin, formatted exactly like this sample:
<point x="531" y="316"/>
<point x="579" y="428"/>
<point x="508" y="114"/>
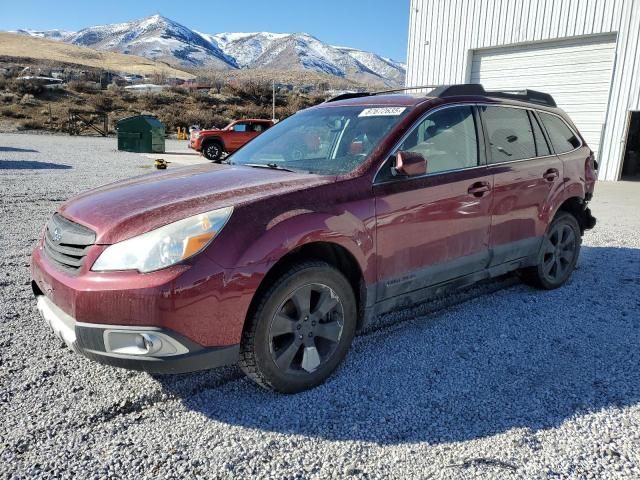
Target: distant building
<point x="132" y="78"/>
<point x="192" y="84"/>
<point x="39" y="79"/>
<point x="145" y="88"/>
<point x="584" y="53"/>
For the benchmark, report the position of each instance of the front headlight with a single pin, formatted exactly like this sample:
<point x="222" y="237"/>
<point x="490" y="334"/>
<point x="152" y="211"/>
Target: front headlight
<point x="164" y="246"/>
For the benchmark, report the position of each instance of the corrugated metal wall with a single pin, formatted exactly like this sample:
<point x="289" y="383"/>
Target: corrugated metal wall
<point x="443" y="34"/>
<point x="576" y="71"/>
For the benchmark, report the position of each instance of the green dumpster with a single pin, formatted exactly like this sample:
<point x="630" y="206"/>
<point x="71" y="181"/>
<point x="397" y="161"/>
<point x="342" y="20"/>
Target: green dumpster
<point x="141" y="133"/>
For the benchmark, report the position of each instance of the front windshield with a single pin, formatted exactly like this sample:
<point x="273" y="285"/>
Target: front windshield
<point x="326" y="141"/>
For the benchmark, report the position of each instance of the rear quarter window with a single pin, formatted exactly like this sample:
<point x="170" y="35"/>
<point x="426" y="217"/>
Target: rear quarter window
<point x="562" y="137"/>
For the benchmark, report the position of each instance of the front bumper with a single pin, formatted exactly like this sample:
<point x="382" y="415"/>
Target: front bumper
<point x="197" y="300"/>
<point x="175" y="353"/>
<point x="195" y="144"/>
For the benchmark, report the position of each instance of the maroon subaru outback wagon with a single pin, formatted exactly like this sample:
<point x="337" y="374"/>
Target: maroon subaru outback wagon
<point x="344" y="211"/>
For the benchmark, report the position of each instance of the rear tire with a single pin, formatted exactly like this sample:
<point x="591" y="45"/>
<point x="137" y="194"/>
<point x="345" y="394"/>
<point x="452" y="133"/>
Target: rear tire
<point x="558" y="254"/>
<point x="301" y="329"/>
<point x="213" y="151"/>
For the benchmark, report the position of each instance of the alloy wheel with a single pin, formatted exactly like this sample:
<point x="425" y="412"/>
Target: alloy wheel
<point x="559" y="251"/>
<point x="213" y="151"/>
<point x="306" y="330"/>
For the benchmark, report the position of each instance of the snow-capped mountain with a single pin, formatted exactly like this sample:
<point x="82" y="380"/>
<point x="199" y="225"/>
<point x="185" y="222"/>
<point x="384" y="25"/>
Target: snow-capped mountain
<point x="244" y="47"/>
<point x="305" y="52"/>
<point x="160" y="38"/>
<point x="46" y="34"/>
<point x="382" y="66"/>
<point x="157" y="38"/>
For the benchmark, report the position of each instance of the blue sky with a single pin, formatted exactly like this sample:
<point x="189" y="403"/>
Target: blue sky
<point x="376" y="25"/>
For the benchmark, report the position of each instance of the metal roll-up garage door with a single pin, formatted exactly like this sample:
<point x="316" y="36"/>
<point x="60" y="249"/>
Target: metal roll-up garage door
<point x="576" y="71"/>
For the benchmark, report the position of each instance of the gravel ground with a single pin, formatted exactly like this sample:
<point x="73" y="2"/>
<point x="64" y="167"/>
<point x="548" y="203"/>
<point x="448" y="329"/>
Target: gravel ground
<point x="516" y="383"/>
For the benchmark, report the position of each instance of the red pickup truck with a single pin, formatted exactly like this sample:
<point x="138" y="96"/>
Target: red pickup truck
<point x="213" y="143"/>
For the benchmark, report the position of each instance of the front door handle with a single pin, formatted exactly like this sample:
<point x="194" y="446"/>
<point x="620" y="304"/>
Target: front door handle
<point x="478" y="189"/>
<point x="551" y="174"/>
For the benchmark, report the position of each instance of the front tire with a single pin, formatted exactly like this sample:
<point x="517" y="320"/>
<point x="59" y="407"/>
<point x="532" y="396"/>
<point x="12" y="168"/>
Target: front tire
<point x="301" y="329"/>
<point x="212" y="151"/>
<point x="558" y="254"/>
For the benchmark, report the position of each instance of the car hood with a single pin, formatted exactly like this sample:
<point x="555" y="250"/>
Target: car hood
<point x="131" y="207"/>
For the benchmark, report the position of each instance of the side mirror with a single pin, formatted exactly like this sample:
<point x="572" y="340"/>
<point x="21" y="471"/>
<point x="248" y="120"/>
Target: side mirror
<point x="409" y="164"/>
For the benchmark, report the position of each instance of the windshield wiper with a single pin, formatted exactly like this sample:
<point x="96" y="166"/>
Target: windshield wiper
<point x="272" y="166"/>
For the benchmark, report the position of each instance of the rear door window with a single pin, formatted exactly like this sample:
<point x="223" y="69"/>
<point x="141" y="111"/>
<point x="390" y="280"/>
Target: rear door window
<point x="562" y="137"/>
<point x="509" y="132"/>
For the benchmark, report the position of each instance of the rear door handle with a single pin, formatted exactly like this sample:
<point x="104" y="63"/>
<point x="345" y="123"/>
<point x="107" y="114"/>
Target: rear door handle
<point x="551" y="174"/>
<point x="478" y="189"/>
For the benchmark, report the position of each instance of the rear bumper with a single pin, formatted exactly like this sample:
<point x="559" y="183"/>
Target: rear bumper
<point x="174" y="354"/>
<point x="589" y="219"/>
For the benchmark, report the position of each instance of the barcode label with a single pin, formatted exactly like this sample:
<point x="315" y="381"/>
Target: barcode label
<point x="382" y="112"/>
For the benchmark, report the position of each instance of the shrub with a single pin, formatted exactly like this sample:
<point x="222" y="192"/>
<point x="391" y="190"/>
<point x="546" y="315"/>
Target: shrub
<point x="206" y="100"/>
<point x="252" y="90"/>
<point x="154" y="100"/>
<point x="115" y="89"/>
<point x="32" y="125"/>
<point x="176" y="116"/>
<point x="9" y="97"/>
<point x="25" y="87"/>
<point x="178" y="90"/>
<point x="227" y="98"/>
<point x="83" y="87"/>
<point x="103" y="102"/>
<point x="28" y="99"/>
<point x="12" y="113"/>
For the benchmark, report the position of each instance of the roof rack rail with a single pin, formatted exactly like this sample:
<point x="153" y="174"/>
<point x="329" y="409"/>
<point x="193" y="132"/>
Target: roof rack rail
<point x="526" y="95"/>
<point x="463" y="89"/>
<point x="346" y="96"/>
<point x="443" y="91"/>
<point x="477" y="89"/>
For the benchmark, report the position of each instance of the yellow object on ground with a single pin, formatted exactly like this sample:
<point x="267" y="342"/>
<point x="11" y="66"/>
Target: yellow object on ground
<point x="161" y="164"/>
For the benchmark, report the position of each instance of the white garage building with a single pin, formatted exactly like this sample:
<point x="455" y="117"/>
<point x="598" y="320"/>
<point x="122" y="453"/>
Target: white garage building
<point x="586" y="53"/>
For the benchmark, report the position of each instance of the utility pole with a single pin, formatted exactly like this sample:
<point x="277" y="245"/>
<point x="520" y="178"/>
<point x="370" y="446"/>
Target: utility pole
<point x="273" y="99"/>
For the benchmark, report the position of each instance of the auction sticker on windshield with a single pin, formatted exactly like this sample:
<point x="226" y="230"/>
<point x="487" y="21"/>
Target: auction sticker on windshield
<point x="382" y="112"/>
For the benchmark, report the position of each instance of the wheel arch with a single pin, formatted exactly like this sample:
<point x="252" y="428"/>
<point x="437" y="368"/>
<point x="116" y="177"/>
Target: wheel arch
<point x="216" y="139"/>
<point x="576" y="206"/>
<point x="334" y="254"/>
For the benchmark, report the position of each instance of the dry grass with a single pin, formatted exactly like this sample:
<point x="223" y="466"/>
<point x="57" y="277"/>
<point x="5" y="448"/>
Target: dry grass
<point x="234" y="94"/>
<point x="293" y="77"/>
<point x="21" y="46"/>
<point x="48" y="110"/>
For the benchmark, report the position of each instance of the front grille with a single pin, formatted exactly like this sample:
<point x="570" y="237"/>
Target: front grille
<point x="66" y="243"/>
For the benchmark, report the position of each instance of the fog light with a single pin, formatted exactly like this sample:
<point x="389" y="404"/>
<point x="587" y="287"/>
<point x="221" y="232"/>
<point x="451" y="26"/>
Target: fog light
<point x="140" y="343"/>
<point x="148" y="343"/>
<point x="132" y="342"/>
